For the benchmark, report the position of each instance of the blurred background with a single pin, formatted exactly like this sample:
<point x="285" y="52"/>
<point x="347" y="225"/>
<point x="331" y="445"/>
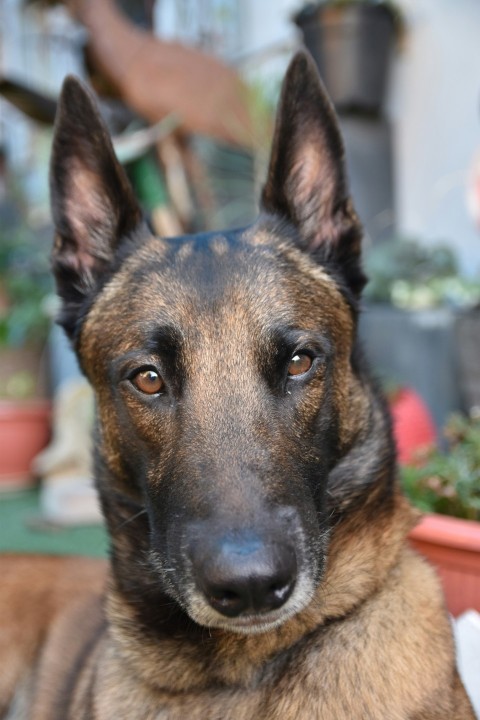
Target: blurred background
<point x="188" y="89"/>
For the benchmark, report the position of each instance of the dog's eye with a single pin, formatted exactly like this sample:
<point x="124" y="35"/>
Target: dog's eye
<point x="148" y="381"/>
<point x="299" y="364"/>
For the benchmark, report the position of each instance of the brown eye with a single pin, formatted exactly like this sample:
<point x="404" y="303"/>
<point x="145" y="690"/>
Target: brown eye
<point x="148" y="382"/>
<point x="299" y="364"/>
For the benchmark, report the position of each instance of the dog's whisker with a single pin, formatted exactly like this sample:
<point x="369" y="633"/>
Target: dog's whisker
<point x="131" y="519"/>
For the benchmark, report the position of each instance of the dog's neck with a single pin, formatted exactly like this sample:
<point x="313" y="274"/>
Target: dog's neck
<point x="210" y="657"/>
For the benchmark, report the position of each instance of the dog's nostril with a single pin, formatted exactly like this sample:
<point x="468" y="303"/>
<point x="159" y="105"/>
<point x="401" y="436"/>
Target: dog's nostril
<point x="252" y="594"/>
<point x="227" y="602"/>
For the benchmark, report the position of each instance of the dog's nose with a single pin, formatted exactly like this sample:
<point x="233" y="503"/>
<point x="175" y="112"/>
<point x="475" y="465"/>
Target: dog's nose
<point x="245" y="576"/>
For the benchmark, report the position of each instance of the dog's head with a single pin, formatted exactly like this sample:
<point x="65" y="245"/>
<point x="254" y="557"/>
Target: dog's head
<point x="233" y="420"/>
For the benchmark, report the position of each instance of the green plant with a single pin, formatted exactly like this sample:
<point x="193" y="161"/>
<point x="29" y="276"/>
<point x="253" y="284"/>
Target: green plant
<point x="25" y="286"/>
<point x="411" y="276"/>
<point x="448" y="482"/>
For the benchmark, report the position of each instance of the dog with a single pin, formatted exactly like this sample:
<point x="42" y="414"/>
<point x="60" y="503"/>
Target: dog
<point x="259" y="566"/>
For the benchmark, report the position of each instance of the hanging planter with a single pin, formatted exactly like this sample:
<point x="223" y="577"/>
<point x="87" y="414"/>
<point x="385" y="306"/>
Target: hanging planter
<point x="351" y="42"/>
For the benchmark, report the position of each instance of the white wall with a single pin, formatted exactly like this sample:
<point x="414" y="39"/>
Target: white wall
<point x="268" y="36"/>
<point x="436" y="117"/>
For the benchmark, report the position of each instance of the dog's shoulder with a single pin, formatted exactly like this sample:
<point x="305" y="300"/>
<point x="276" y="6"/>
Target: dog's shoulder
<point x="47" y="604"/>
<point x="30" y="578"/>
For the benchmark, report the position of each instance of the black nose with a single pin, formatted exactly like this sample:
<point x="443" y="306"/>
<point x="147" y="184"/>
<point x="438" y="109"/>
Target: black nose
<point x="245" y="576"/>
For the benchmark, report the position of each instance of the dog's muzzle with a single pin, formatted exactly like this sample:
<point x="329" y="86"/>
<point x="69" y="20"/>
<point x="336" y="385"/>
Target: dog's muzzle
<point x="243" y="574"/>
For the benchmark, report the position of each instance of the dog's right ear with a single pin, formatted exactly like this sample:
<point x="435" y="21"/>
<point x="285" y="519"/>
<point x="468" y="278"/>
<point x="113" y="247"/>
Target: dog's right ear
<point x="93" y="205"/>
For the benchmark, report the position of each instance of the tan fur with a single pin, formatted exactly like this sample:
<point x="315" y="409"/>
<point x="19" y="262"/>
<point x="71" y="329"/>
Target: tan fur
<point x="375" y="643"/>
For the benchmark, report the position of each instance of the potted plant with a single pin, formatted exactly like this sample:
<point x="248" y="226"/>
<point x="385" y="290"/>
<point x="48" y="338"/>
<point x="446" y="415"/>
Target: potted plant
<point x="445" y="484"/>
<point x="417" y="307"/>
<point x="411" y="276"/>
<point x="24" y="324"/>
<point x="351" y="42"/>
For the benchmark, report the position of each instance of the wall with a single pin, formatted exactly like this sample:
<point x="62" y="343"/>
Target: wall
<point x="435" y="107"/>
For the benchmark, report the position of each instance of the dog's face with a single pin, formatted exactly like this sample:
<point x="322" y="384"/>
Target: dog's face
<point x="222" y="366"/>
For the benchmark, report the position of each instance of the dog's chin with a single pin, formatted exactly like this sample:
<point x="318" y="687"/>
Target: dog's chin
<point x="252" y="624"/>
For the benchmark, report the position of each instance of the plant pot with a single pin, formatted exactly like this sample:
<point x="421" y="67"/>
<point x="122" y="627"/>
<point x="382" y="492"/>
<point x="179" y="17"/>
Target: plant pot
<point x="351" y="46"/>
<point x="453" y="547"/>
<point x="24" y="431"/>
<point x="468" y="343"/>
<point x="415" y="348"/>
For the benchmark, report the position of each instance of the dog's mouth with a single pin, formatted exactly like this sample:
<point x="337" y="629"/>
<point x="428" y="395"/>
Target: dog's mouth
<point x="203" y="611"/>
<point x="255" y="624"/>
<point x="246" y="581"/>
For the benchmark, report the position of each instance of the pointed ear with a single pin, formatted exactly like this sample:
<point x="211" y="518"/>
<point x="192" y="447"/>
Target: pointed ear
<point x="306" y="182"/>
<point x="93" y="205"/>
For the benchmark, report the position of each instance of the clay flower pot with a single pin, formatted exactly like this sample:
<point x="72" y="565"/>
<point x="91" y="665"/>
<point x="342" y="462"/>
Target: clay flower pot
<point x="24" y="431"/>
<point x="453" y="547"/>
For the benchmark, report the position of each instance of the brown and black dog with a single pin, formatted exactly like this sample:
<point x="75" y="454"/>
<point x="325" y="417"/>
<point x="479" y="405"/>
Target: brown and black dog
<point x="259" y="566"/>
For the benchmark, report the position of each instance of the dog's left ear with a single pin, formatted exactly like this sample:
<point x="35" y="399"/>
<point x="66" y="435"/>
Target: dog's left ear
<point x="93" y="205"/>
<point x="306" y="181"/>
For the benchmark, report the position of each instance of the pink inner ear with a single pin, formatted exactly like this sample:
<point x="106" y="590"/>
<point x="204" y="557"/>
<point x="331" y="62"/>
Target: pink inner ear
<point x="314" y="190"/>
<point x="89" y="213"/>
<point x="306" y="171"/>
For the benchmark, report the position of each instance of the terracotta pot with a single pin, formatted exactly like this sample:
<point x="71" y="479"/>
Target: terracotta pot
<point x="24" y="431"/>
<point x="453" y="547"/>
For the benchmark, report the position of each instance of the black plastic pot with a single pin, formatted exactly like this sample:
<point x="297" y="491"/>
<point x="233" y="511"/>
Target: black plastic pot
<point x="351" y="45"/>
<point x="468" y="343"/>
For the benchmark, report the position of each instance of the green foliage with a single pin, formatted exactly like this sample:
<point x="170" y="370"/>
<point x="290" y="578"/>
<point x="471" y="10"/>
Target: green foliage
<point x="410" y="276"/>
<point x="449" y="482"/>
<point x="25" y="285"/>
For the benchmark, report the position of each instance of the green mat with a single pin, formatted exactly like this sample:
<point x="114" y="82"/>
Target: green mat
<point x="22" y="530"/>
